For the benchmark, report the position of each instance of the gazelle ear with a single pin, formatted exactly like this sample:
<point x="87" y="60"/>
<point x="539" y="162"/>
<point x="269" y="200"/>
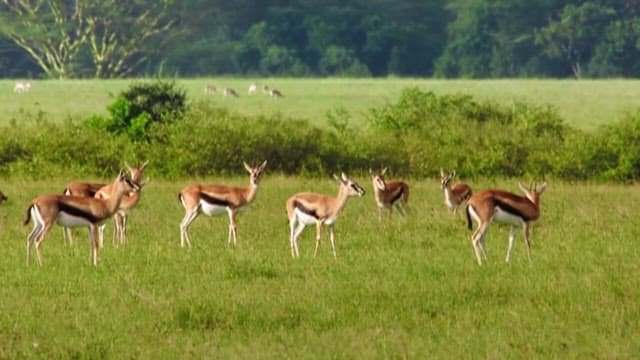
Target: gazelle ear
<point x="453" y="174"/>
<point x="144" y="165"/>
<point x="384" y="171"/>
<point x="441" y="172"/>
<point x="542" y="188"/>
<point x="246" y="166"/>
<point x="337" y="178"/>
<point x="127" y="165"/>
<point x="343" y="177"/>
<point x="263" y="165"/>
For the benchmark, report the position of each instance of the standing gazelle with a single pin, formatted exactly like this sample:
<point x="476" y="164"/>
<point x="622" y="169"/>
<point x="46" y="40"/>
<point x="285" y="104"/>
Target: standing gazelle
<point x="87" y="189"/>
<point x="506" y="208"/>
<point x="456" y="195"/>
<point x="389" y="194"/>
<point x="214" y="200"/>
<point x="128" y="203"/>
<point x="308" y="208"/>
<point x="74" y="211"/>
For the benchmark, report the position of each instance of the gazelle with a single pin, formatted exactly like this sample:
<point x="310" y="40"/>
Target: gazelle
<point x="506" y="208"/>
<point x="74" y="211"/>
<point x="229" y="92"/>
<point x="275" y="93"/>
<point x="210" y="89"/>
<point x="456" y="195"/>
<point x="266" y="90"/>
<point x="389" y="194"/>
<point x="128" y="203"/>
<point x="88" y="189"/>
<point x="211" y="200"/>
<point x="308" y="208"/>
<point x="252" y="89"/>
<point x="22" y="86"/>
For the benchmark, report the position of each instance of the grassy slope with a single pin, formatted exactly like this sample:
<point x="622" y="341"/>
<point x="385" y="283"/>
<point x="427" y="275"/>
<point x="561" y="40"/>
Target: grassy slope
<point x="403" y="288"/>
<point x="585" y="104"/>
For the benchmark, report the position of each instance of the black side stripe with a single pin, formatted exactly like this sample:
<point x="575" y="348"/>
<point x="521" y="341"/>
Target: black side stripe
<point x="311" y="212"/>
<point x="510" y="209"/>
<point x="398" y="195"/>
<point x="213" y="200"/>
<point x="74" y="211"/>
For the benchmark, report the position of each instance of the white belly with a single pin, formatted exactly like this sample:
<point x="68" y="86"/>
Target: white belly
<point x="212" y="210"/>
<point x="310" y="220"/>
<point x="504" y="217"/>
<point x="67" y="220"/>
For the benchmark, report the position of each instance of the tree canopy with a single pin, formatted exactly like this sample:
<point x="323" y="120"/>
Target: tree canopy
<point x="429" y="38"/>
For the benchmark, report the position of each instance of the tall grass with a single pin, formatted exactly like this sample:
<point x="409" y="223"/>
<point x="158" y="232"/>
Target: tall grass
<point x="583" y="104"/>
<point x="401" y="288"/>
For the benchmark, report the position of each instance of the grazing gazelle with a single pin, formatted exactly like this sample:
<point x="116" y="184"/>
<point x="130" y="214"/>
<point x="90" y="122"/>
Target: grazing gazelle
<point x="275" y="93"/>
<point x="456" y="195"/>
<point x="212" y="200"/>
<point x="87" y="189"/>
<point x="22" y="86"/>
<point x="210" y="89"/>
<point x="128" y="203"/>
<point x="506" y="208"/>
<point x="230" y="92"/>
<point x="74" y="211"/>
<point x="389" y="194"/>
<point x="308" y="208"/>
<point x="252" y="89"/>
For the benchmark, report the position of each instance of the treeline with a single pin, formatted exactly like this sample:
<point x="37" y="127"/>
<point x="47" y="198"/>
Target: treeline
<point x="426" y="38"/>
<point x="416" y="136"/>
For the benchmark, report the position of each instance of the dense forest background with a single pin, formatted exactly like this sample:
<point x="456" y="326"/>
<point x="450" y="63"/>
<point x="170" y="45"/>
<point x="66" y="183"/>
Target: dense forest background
<point x="425" y="38"/>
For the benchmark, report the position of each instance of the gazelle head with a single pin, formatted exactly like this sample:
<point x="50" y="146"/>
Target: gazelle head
<point x="255" y="172"/>
<point x="378" y="179"/>
<point x="533" y="193"/>
<point x="352" y="188"/>
<point x="125" y="184"/>
<point x="3" y="198"/>
<point x="445" y="180"/>
<point x="136" y="172"/>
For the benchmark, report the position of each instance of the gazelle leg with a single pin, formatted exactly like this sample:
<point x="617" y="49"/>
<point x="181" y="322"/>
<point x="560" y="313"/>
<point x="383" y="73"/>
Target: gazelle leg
<point x="476" y="241"/>
<point x="123" y="228"/>
<point x="101" y="234"/>
<point x="68" y="235"/>
<point x="35" y="233"/>
<point x="527" y="239"/>
<point x="95" y="246"/>
<point x="184" y="227"/>
<point x="39" y="240"/>
<point x="380" y="210"/>
<point x="333" y="241"/>
<point x="233" y="231"/>
<point x="318" y="233"/>
<point x="512" y="235"/>
<point x="483" y="245"/>
<point x="294" y="238"/>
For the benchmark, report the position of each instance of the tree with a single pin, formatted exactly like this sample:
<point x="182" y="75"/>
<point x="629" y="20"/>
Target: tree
<point x="574" y="33"/>
<point x="53" y="32"/>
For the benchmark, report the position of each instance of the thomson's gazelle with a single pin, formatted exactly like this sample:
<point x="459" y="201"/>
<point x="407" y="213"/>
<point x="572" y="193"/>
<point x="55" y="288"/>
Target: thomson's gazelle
<point x="389" y="194"/>
<point x="456" y="195"/>
<point x="128" y="203"/>
<point x="503" y="207"/>
<point x="308" y="208"/>
<point x="217" y="199"/>
<point x="74" y="211"/>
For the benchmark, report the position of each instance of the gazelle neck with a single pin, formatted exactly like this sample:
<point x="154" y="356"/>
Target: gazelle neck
<point x="341" y="199"/>
<point x="448" y="196"/>
<point x="251" y="191"/>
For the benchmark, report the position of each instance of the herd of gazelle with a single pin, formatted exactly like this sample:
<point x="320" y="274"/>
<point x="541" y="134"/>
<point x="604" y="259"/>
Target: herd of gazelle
<point x="253" y="89"/>
<point x="85" y="204"/>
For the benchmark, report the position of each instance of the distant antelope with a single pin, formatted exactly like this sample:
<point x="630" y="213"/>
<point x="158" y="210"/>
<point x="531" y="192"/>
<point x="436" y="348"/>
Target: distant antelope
<point x="456" y="195"/>
<point x="22" y="86"/>
<point x="266" y="90"/>
<point x="252" y="89"/>
<point x="74" y="211"/>
<point x="212" y="200"/>
<point x="506" y="208"/>
<point x="389" y="194"/>
<point x="230" y="92"/>
<point x="129" y="202"/>
<point x="275" y="93"/>
<point x="308" y="208"/>
<point x="210" y="89"/>
<point x="88" y="189"/>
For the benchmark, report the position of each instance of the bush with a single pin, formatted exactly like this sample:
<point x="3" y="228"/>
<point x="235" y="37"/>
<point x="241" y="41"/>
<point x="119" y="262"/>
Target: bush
<point x="137" y="109"/>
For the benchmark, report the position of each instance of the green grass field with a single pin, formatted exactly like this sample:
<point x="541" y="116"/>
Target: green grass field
<point x="585" y="104"/>
<point x="402" y="288"/>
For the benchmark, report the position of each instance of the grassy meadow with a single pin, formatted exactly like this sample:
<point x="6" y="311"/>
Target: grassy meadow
<point x="401" y="288"/>
<point x="585" y="104"/>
